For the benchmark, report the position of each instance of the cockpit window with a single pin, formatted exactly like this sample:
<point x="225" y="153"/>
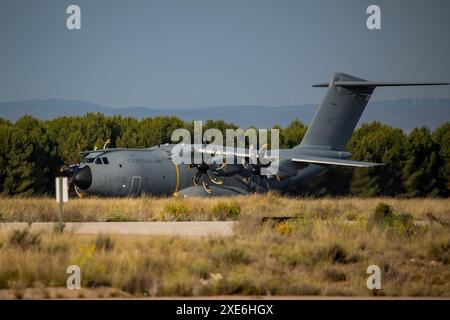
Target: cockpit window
<point x="88" y="160"/>
<point x="105" y="160"/>
<point x="98" y="161"/>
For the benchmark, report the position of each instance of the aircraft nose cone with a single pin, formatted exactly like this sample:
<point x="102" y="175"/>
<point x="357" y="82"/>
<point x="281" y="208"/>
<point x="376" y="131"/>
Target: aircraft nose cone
<point x="83" y="177"/>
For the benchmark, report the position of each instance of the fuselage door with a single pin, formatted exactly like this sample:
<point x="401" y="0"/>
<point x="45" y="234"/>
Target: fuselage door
<point x="135" y="186"/>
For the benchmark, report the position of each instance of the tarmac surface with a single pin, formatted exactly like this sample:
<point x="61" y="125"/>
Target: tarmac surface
<point x="184" y="228"/>
<point x="153" y="228"/>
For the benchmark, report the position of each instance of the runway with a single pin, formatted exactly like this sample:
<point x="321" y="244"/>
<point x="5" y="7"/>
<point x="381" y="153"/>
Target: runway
<point x="189" y="228"/>
<point x="153" y="228"/>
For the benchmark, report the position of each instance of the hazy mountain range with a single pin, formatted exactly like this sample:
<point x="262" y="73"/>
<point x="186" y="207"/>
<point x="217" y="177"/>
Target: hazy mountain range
<point x="401" y="113"/>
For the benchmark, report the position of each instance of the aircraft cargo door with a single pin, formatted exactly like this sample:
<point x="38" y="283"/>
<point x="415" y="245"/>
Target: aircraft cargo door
<point x="135" y="186"/>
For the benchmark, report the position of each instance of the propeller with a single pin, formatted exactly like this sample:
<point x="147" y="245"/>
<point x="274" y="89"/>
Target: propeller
<point x="70" y="170"/>
<point x="205" y="174"/>
<point x="260" y="157"/>
<point x="211" y="171"/>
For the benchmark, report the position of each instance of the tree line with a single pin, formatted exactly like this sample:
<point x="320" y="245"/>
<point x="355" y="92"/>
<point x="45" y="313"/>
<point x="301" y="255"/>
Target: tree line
<point x="417" y="163"/>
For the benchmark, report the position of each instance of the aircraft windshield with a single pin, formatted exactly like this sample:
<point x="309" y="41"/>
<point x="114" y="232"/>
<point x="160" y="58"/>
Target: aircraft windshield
<point x="88" y="160"/>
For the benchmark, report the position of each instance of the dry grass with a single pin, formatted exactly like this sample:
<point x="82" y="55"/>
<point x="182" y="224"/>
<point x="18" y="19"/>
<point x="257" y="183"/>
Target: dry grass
<point x="311" y="256"/>
<point x="169" y="209"/>
<point x="314" y="255"/>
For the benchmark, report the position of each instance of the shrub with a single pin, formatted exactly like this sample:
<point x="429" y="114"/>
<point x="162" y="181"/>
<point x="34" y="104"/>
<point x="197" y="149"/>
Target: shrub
<point x="440" y="251"/>
<point x="283" y="228"/>
<point x="234" y="255"/>
<point x="73" y="216"/>
<point x="404" y="224"/>
<point x="351" y="216"/>
<point x="231" y="210"/>
<point x="136" y="284"/>
<point x="304" y="289"/>
<point x="5" y="214"/>
<point x="382" y="216"/>
<point x="179" y="210"/>
<point x="24" y="239"/>
<point x="117" y="215"/>
<point x="179" y="283"/>
<point x="104" y="242"/>
<point x="292" y="259"/>
<point x="57" y="247"/>
<point x="335" y="254"/>
<point x="201" y="267"/>
<point x="58" y="227"/>
<point x="334" y="275"/>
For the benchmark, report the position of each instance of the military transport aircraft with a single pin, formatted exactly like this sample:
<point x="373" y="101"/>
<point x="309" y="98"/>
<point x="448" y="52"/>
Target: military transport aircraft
<point x="129" y="172"/>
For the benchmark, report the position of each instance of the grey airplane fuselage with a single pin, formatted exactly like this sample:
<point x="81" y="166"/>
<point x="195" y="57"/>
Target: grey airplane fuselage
<point x="129" y="172"/>
<point x="133" y="171"/>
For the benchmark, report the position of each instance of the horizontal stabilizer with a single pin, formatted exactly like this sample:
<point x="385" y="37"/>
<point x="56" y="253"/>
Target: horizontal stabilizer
<point x="336" y="162"/>
<point x="375" y="84"/>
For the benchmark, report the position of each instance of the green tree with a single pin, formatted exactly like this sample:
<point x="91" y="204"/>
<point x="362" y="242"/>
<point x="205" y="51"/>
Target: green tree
<point x="5" y="127"/>
<point x="129" y="133"/>
<point x="44" y="156"/>
<point x="441" y="137"/>
<point x="418" y="164"/>
<point x="293" y="134"/>
<point x="421" y="164"/>
<point x="157" y="130"/>
<point x="376" y="142"/>
<point x="18" y="177"/>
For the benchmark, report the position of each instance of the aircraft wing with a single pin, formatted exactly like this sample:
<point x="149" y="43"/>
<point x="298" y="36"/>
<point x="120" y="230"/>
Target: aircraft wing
<point x="336" y="162"/>
<point x="238" y="152"/>
<point x="300" y="158"/>
<point x="374" y="84"/>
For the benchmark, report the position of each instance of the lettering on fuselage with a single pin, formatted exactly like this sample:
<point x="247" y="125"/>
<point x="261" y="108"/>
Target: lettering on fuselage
<point x="143" y="161"/>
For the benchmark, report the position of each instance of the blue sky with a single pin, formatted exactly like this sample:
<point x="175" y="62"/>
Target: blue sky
<point x="194" y="53"/>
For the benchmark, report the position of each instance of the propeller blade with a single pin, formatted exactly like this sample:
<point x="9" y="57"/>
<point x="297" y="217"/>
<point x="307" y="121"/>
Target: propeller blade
<point x="197" y="177"/>
<point x="107" y="143"/>
<point x="214" y="179"/>
<point x="70" y="157"/>
<point x="206" y="186"/>
<point x="78" y="192"/>
<point x="252" y="155"/>
<point x="262" y="152"/>
<point x="62" y="169"/>
<point x="244" y="164"/>
<point x="223" y="167"/>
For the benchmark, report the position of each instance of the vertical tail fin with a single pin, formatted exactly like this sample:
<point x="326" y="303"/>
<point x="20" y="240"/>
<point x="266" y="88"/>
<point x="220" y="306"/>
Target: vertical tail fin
<point x="339" y="112"/>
